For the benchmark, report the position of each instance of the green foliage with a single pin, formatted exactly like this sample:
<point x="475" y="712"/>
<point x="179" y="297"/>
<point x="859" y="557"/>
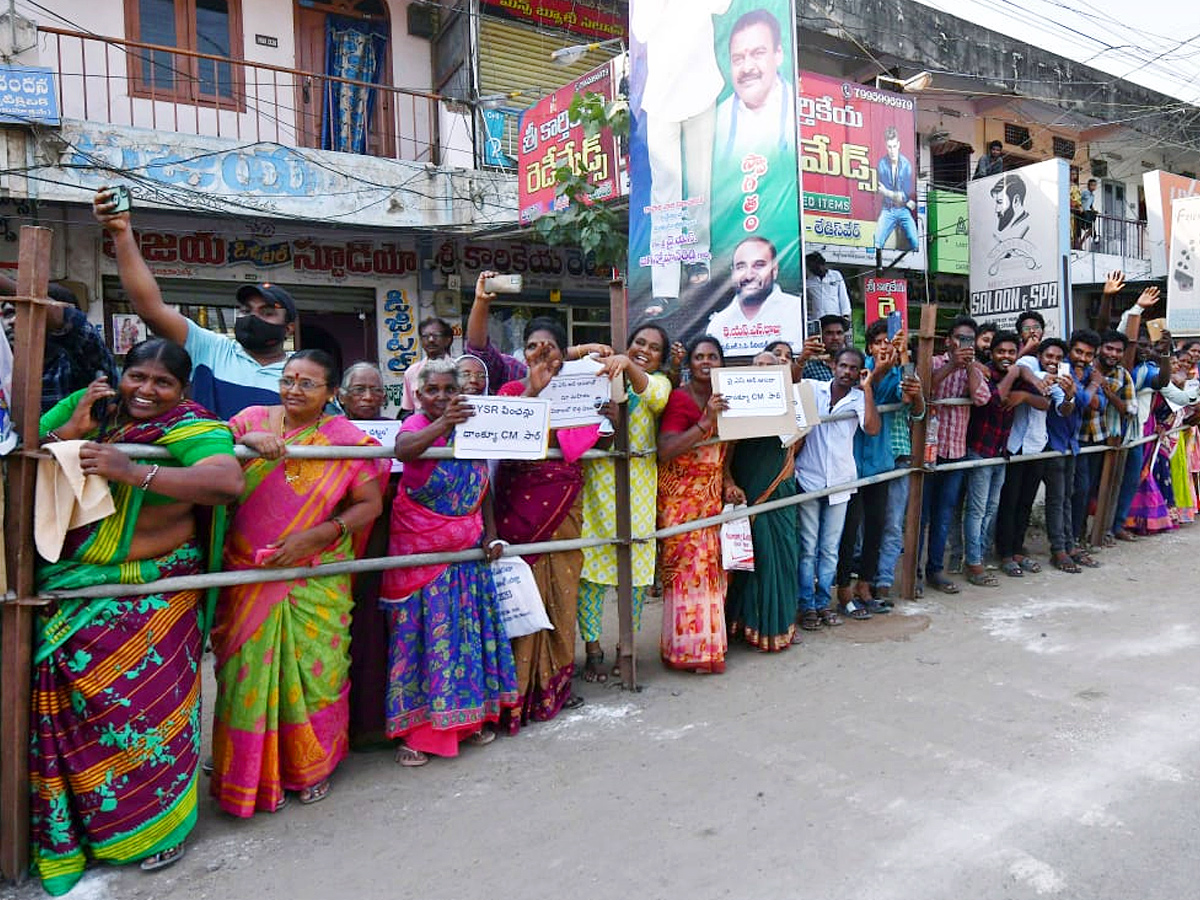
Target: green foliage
<point x="595" y="227"/>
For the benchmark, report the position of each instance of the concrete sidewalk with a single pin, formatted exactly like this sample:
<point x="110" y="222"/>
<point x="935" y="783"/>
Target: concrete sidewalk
<point x="1035" y="740"/>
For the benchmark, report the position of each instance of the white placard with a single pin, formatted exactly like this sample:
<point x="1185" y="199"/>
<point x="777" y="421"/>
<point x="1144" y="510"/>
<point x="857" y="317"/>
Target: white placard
<point x="752" y="391"/>
<point x="504" y="428"/>
<point x="576" y="393"/>
<point x="1183" y="296"/>
<point x="384" y="431"/>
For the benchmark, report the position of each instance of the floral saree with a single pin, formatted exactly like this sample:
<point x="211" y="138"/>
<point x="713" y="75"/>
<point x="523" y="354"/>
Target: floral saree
<point x="689" y="487"/>
<point x="116" y="683"/>
<point x="450" y="664"/>
<point x="282" y="648"/>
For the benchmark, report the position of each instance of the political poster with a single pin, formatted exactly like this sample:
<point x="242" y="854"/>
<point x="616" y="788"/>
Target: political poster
<point x="1162" y="188"/>
<point x="550" y="138"/>
<point x="504" y="428"/>
<point x="714" y="236"/>
<point x="858" y="156"/>
<point x="1020" y="238"/>
<point x="1183" y="294"/>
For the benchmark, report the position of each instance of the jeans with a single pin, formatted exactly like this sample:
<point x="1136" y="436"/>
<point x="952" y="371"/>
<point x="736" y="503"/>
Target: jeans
<point x="1130" y="479"/>
<point x="1016" y="503"/>
<point x="942" y="490"/>
<point x="891" y="219"/>
<point x="866" y="509"/>
<point x="983" y="499"/>
<point x="892" y="543"/>
<point x="1087" y="476"/>
<point x="820" y="537"/>
<point x="1060" y="479"/>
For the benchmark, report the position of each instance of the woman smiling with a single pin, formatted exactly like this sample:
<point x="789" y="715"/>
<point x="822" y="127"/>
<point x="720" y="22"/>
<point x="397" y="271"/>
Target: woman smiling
<point x="114" y="769"/>
<point x="282" y="647"/>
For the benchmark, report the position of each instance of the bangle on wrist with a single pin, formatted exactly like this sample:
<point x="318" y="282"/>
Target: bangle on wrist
<point x="145" y="485"/>
<point x="343" y="529"/>
<point x="54" y="435"/>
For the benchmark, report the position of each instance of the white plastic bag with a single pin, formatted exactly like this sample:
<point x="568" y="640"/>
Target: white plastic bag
<point x="737" y="543"/>
<point x="522" y="611"/>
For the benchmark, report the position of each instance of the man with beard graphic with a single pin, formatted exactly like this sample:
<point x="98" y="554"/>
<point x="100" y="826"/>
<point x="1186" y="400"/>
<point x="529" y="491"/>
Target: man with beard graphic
<point x="227" y="377"/>
<point x="759" y="117"/>
<point x="760" y="312"/>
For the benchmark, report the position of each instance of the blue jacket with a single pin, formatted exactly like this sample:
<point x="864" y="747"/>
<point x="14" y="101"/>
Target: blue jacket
<point x="901" y="180"/>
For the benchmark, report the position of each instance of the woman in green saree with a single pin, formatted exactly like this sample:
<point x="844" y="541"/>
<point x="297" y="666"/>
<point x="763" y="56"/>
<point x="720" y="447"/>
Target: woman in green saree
<point x="116" y="692"/>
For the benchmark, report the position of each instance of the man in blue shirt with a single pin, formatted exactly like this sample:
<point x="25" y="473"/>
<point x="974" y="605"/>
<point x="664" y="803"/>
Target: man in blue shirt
<point x="227" y="377"/>
<point x="896" y="190"/>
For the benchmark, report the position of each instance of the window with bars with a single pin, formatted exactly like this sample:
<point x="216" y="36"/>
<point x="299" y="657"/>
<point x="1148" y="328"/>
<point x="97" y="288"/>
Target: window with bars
<point x="196" y="47"/>
<point x="1064" y="148"/>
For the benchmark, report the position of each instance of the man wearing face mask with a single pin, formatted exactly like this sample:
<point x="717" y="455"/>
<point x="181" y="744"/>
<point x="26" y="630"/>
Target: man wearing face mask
<point x="227" y="377"/>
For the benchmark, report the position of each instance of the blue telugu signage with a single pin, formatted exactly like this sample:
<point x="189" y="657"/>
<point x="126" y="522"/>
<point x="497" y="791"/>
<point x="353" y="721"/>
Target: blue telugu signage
<point x="27" y="95"/>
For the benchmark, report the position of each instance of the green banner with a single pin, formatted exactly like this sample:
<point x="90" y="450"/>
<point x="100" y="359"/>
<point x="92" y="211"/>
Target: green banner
<point x="949" y="237"/>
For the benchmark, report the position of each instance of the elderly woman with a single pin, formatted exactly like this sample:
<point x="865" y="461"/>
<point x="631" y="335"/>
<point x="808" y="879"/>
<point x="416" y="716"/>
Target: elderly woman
<point x="450" y="664"/>
<point x="694" y="482"/>
<point x="362" y="397"/>
<point x="113" y="771"/>
<point x="539" y="501"/>
<point x="282" y="647"/>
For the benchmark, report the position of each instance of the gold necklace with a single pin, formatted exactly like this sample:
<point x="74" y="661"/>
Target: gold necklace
<point x="290" y="476"/>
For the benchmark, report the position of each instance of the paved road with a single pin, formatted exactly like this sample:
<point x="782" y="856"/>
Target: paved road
<point x="1039" y="740"/>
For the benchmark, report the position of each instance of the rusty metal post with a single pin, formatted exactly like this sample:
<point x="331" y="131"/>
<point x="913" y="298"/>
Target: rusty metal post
<point x="911" y="558"/>
<point x="627" y="653"/>
<point x="16" y="613"/>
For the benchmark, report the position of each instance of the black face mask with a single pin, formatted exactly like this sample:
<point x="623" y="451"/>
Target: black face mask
<point x="256" y="335"/>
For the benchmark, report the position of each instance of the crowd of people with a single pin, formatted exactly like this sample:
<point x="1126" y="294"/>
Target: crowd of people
<point x="417" y="658"/>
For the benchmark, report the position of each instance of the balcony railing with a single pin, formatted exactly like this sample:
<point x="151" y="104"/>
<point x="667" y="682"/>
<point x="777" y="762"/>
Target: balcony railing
<point x="1115" y="236"/>
<point x="121" y="82"/>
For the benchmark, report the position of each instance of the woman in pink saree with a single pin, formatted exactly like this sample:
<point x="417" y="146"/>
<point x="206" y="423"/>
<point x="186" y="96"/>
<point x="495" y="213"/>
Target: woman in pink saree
<point x="282" y="712"/>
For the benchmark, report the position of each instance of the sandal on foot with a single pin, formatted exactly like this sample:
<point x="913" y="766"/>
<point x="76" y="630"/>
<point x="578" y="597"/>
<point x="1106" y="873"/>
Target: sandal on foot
<point x="315" y="794"/>
<point x="1012" y="569"/>
<point x="1085" y="559"/>
<point x="574" y="702"/>
<point x="1064" y="563"/>
<point x="1125" y="536"/>
<point x="410" y="758"/>
<point x="1029" y="564"/>
<point x="481" y="738"/>
<point x="982" y="579"/>
<point x="943" y="584"/>
<point x="810" y="620"/>
<point x="875" y="608"/>
<point x="854" y="610"/>
<point x="1108" y="542"/>
<point x="592" y="670"/>
<point x="829" y="617"/>
<point x="163" y="858"/>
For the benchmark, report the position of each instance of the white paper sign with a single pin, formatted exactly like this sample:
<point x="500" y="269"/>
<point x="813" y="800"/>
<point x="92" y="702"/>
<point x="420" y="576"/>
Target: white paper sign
<point x="504" y="428"/>
<point x="576" y="393"/>
<point x="752" y="391"/>
<point x="384" y="431"/>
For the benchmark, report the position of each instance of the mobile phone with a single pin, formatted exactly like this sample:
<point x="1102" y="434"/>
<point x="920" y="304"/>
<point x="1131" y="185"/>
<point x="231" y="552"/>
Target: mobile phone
<point x="503" y="284"/>
<point x="895" y="323"/>
<point x="812" y="328"/>
<point x="909" y="370"/>
<point x="120" y="198"/>
<point x="966" y="340"/>
<point x="1154" y="328"/>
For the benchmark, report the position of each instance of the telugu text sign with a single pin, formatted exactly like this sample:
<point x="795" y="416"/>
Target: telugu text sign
<point x="384" y="431"/>
<point x="576" y="394"/>
<point x="550" y="139"/>
<point x="858" y="156"/>
<point x="504" y="428"/>
<point x="760" y="401"/>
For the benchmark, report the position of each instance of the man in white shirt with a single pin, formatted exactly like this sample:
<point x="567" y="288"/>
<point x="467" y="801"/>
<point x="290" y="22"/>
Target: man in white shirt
<point x="760" y="115"/>
<point x="760" y="312"/>
<point x="826" y="459"/>
<point x="824" y="288"/>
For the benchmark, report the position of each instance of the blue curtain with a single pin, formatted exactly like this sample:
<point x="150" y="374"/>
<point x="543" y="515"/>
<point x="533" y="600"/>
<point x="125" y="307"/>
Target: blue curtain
<point x="353" y="49"/>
